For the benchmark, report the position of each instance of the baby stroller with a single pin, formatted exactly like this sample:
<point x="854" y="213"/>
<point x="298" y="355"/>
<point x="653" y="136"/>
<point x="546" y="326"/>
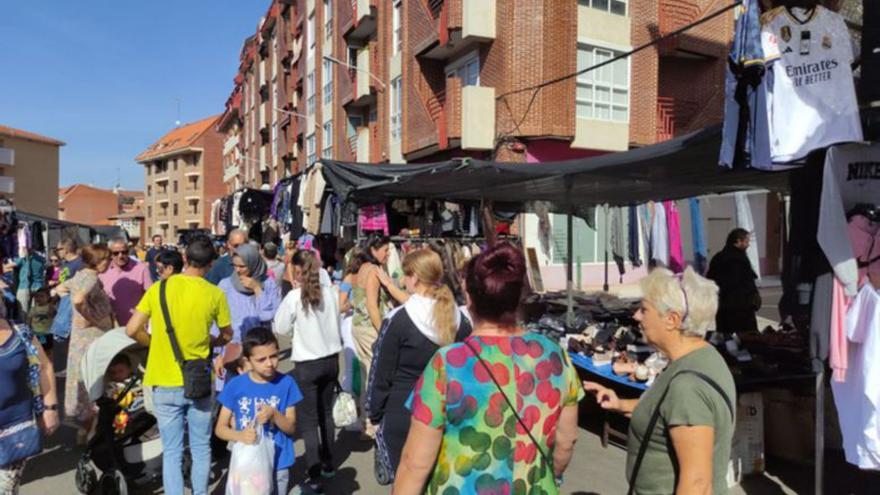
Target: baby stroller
<point x="121" y="451"/>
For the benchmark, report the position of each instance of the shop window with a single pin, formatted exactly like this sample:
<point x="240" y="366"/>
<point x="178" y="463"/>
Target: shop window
<point x="586" y="239"/>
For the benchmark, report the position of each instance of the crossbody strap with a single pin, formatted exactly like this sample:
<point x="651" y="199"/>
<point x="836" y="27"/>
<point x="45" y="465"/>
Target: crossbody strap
<point x="525" y="428"/>
<point x="655" y="416"/>
<point x="163" y="302"/>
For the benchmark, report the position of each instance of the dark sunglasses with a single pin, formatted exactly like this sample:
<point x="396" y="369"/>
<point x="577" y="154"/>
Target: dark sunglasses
<point x="117" y="253"/>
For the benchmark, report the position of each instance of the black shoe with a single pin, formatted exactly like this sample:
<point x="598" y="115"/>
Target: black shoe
<point x="328" y="471"/>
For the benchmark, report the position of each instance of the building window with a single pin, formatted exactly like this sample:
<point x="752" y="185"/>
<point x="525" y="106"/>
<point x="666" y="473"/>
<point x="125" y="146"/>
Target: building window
<point x="613" y="6"/>
<point x="328" y="81"/>
<point x="149" y="190"/>
<point x="466" y="69"/>
<point x="396" y="34"/>
<point x="311" y="156"/>
<point x="396" y="111"/>
<point x="174" y="209"/>
<point x="310" y="91"/>
<point x="586" y="240"/>
<point x="149" y="211"/>
<point x="310" y="33"/>
<point x="175" y="187"/>
<point x="175" y="165"/>
<point x="603" y="93"/>
<point x="328" y="18"/>
<point x="327" y="139"/>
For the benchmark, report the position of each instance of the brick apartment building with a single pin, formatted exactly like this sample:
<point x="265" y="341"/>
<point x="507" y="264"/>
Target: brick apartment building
<point x="380" y="81"/>
<point x="29" y="171"/>
<point x="183" y="176"/>
<point x="88" y="205"/>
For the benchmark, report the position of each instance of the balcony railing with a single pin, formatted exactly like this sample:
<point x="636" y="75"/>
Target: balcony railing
<point x="7" y="157"/>
<point x="673" y="114"/>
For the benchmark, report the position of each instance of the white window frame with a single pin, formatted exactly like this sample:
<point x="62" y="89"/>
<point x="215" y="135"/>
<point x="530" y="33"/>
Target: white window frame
<point x="462" y="68"/>
<point x="396" y="108"/>
<point x="310" y="33"/>
<point x="396" y="33"/>
<point x="603" y="78"/>
<point x="311" y="152"/>
<point x="310" y="91"/>
<point x="598" y="5"/>
<point x="327" y="138"/>
<point x="327" y="74"/>
<point x="328" y="18"/>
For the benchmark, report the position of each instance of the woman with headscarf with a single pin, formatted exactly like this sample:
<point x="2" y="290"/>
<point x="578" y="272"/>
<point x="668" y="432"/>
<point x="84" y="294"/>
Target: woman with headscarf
<point x="253" y="299"/>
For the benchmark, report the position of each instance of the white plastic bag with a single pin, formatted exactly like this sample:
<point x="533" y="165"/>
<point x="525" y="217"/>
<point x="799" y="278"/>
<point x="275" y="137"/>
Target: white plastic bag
<point x="344" y="409"/>
<point x="252" y="467"/>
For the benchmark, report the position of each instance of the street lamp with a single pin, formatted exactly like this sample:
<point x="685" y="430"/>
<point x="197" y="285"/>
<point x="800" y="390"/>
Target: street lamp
<point x="297" y="115"/>
<point x="346" y="64"/>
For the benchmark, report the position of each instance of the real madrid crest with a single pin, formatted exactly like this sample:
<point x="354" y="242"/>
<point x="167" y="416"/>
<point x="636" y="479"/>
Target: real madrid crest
<point x="826" y="41"/>
<point x="785" y="33"/>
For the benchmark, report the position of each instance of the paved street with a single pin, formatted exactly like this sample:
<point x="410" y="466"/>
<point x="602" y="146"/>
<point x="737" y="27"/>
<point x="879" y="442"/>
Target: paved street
<point x="594" y="471"/>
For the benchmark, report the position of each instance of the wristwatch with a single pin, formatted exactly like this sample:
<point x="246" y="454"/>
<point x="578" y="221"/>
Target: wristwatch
<point x="51" y="407"/>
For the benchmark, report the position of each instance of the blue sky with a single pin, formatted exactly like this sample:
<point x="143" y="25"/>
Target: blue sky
<point x="104" y="75"/>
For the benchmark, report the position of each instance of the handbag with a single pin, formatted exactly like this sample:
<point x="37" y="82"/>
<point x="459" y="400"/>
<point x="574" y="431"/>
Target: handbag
<point x="344" y="408"/>
<point x="23" y="439"/>
<point x="382" y="466"/>
<point x="197" y="373"/>
<point x="547" y="461"/>
<point x="656" y="416"/>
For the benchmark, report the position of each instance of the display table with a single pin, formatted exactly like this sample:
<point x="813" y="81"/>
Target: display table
<point x="605" y="371"/>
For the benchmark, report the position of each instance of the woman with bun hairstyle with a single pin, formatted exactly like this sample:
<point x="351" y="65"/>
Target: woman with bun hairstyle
<point x="410" y="336"/>
<point x="497" y="412"/>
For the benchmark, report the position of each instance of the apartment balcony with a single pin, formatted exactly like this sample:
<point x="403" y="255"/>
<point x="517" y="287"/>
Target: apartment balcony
<point x="352" y="147"/>
<point x="702" y="41"/>
<point x="452" y="27"/>
<point x="7" y="157"/>
<point x="7" y="185"/>
<point x="363" y="20"/>
<point x="230" y="172"/>
<point x="673" y="114"/>
<point x="363" y="84"/>
<point x="160" y="180"/>
<point x="363" y="145"/>
<point x="477" y="118"/>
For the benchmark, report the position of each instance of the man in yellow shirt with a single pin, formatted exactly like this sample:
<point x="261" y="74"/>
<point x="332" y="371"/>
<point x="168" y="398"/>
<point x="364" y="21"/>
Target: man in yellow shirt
<point x="194" y="305"/>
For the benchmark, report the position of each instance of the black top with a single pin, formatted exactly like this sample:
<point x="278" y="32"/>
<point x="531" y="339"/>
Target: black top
<point x="400" y="355"/>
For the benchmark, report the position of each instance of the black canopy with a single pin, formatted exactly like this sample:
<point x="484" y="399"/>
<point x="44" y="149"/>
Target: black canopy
<point x="679" y="168"/>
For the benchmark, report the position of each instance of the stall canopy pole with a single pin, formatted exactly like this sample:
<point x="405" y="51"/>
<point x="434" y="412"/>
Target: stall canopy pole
<point x="569" y="259"/>
<point x="569" y="278"/>
<point x="605" y="285"/>
<point x="820" y="431"/>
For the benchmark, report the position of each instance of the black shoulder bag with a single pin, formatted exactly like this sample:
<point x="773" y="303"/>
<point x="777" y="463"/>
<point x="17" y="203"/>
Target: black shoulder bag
<point x="547" y="461"/>
<point x="655" y="416"/>
<point x="197" y="378"/>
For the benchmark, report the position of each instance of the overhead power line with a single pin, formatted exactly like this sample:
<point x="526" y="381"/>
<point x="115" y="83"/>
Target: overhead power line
<point x="625" y="54"/>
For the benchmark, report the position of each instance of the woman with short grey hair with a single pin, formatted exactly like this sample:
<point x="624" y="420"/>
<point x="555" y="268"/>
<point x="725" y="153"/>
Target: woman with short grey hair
<point x="682" y="427"/>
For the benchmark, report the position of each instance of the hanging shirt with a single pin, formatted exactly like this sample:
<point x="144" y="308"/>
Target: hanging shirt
<point x="851" y="177"/>
<point x="812" y="100"/>
<point x="634" y="256"/>
<point x="858" y="397"/>
<point x="373" y="218"/>
<point x="676" y="252"/>
<point x="701" y="254"/>
<point x="660" y="236"/>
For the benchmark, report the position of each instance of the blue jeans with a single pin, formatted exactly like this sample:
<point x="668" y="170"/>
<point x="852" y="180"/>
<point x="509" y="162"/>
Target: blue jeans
<point x="173" y="412"/>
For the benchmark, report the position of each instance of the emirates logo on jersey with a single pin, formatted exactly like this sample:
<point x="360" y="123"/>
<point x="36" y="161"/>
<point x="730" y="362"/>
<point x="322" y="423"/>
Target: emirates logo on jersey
<point x="812" y="72"/>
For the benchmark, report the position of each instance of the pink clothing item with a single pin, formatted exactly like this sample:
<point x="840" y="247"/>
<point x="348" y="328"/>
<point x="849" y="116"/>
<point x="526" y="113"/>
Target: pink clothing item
<point x="673" y="225"/>
<point x="865" y="238"/>
<point x="838" y="353"/>
<point x="125" y="287"/>
<point x="373" y="218"/>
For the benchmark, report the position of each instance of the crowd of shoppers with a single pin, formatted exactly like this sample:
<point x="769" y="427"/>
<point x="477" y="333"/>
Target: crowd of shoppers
<point x="457" y="400"/>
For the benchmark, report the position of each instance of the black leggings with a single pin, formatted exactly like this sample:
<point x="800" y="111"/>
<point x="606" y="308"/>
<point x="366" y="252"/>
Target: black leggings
<point x="314" y="415"/>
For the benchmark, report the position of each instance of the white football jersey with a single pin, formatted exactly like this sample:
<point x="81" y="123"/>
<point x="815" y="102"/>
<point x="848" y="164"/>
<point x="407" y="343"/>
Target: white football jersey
<point x="811" y="101"/>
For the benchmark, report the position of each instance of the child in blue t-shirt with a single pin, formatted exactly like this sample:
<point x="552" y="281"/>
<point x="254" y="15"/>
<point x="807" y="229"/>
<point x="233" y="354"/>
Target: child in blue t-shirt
<point x="261" y="396"/>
